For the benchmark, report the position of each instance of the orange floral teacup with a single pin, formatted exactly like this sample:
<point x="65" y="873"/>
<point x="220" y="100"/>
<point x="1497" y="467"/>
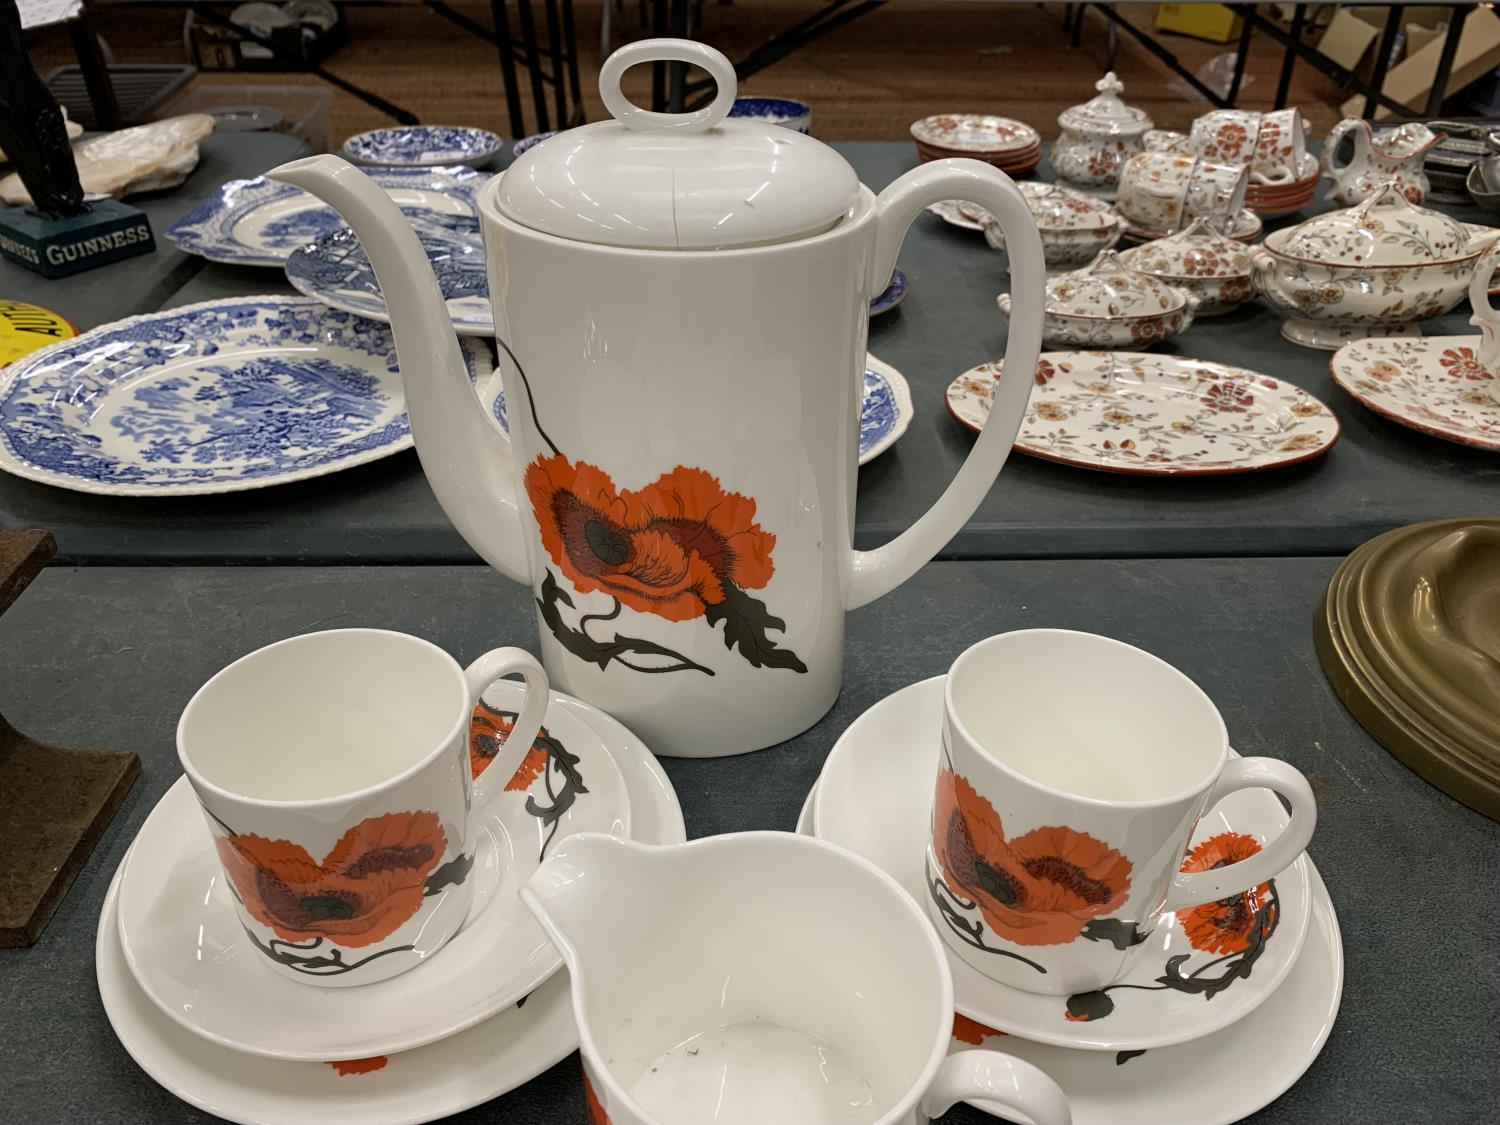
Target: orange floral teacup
<point x="1073" y="772"/>
<point x="333" y="770"/>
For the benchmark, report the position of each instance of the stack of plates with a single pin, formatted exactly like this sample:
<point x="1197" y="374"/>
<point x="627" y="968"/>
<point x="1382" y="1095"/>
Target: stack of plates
<point x="1272" y="200"/>
<point x="190" y="1001"/>
<point x="1155" y="1051"/>
<point x="1012" y="146"/>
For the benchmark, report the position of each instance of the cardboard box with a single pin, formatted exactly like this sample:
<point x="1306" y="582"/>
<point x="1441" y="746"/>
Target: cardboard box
<point x="1349" y="38"/>
<point x="1213" y="22"/>
<point x="1410" y="81"/>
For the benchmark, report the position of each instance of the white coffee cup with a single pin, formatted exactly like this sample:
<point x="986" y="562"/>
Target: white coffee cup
<point x="1074" y="770"/>
<point x="333" y="769"/>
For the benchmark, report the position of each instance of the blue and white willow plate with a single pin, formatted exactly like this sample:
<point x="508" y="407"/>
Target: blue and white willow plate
<point x="891" y="296"/>
<point x="259" y="222"/>
<point x="885" y="412"/>
<point x="422" y="146"/>
<point x="335" y="270"/>
<point x="217" y="397"/>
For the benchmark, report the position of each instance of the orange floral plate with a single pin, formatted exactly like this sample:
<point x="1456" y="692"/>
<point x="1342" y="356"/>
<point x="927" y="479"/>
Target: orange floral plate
<point x="429" y="1082"/>
<point x="1154" y="415"/>
<point x="1434" y="384"/>
<point x="190" y="955"/>
<point x="1192" y="975"/>
<point x="1207" y="1081"/>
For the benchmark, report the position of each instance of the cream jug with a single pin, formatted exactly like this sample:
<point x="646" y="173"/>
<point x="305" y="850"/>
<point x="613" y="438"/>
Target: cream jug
<point x="681" y="304"/>
<point x="762" y="977"/>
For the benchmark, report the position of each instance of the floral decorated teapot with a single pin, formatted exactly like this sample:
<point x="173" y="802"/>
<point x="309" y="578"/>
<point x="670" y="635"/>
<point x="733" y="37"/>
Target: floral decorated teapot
<point x="681" y="304"/>
<point x="1392" y="154"/>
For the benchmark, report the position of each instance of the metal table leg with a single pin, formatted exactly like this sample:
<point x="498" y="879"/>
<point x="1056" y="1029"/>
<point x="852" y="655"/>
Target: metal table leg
<point x="1456" y="20"/>
<point x="95" y="72"/>
<point x="1289" y="59"/>
<point x="1383" y="59"/>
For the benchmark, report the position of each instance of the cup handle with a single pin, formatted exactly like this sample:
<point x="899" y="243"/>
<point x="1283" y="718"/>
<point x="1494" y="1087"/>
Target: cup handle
<point x="1192" y="888"/>
<point x="480" y="675"/>
<point x="1010" y="1085"/>
<point x="870" y="574"/>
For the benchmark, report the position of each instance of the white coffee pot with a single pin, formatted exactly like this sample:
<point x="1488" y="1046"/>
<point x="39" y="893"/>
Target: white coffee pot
<point x="681" y="304"/>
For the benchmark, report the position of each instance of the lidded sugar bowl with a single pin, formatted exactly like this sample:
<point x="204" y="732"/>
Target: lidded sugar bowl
<point x="1202" y="260"/>
<point x="1109" y="305"/>
<point x="1098" y="137"/>
<point x="1375" y="269"/>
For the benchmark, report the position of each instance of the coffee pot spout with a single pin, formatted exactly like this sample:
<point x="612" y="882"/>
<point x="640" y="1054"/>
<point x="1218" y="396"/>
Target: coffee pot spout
<point x="467" y="462"/>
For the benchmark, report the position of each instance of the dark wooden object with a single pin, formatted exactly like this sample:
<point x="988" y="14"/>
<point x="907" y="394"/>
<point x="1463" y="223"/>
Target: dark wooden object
<point x="54" y="802"/>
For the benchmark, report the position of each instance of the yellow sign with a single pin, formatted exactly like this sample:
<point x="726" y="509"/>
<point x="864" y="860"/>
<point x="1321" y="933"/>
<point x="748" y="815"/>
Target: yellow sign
<point x="25" y="328"/>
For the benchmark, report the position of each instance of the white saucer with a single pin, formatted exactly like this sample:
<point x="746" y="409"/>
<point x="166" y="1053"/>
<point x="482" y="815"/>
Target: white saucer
<point x="190" y="954"/>
<point x="1211" y="1081"/>
<point x="420" y="1085"/>
<point x="874" y="797"/>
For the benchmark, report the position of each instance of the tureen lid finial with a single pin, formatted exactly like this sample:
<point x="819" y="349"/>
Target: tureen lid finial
<point x="1109" y="85"/>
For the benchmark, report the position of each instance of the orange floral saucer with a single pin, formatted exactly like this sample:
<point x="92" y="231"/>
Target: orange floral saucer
<point x="1433" y="384"/>
<point x="1193" y="975"/>
<point x="189" y="954"/>
<point x="1202" y="1082"/>
<point x="423" y="1084"/>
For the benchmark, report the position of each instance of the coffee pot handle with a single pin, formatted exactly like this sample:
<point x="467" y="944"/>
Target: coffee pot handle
<point x="479" y="676"/>
<point x="1001" y="1085"/>
<point x="877" y="572"/>
<point x="1278" y="853"/>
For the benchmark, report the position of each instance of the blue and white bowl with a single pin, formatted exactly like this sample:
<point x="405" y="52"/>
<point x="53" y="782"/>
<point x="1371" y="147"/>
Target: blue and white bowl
<point x="530" y="142"/>
<point x="789" y="113"/>
<point x="422" y="146"/>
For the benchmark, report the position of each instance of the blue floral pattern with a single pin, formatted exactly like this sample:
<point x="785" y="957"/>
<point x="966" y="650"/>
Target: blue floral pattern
<point x="891" y="296"/>
<point x="257" y="222"/>
<point x="209" y="398"/>
<point x="336" y="271"/>
<point x="786" y="112"/>
<point x="420" y="146"/>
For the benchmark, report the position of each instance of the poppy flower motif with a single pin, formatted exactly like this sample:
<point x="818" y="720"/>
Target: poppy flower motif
<point x="488" y="730"/>
<point x="668" y="549"/>
<point x="346" y="1067"/>
<point x="1461" y="363"/>
<point x="972" y="1032"/>
<point x="1229" y="398"/>
<point x="367" y="887"/>
<point x="1227" y="925"/>
<point x="1039" y="889"/>
<point x="595" y="1107"/>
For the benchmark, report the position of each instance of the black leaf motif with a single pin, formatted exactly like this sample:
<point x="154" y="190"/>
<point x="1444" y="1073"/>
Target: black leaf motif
<point x="1123" y="1057"/>
<point x="1117" y="931"/>
<point x="451" y="874"/>
<point x="746" y="621"/>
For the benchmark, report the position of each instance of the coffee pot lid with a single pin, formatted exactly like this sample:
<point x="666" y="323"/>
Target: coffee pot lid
<point x="678" y="181"/>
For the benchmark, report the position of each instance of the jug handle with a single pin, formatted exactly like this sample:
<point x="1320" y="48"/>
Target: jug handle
<point x="1485" y="318"/>
<point x="1335" y="136"/>
<point x="1001" y="1085"/>
<point x="871" y="574"/>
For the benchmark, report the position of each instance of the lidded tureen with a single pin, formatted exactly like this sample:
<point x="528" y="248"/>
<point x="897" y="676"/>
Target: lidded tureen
<point x="1201" y="260"/>
<point x="1109" y="305"/>
<point x="1074" y="226"/>
<point x="1098" y="136"/>
<point x="1375" y="269"/>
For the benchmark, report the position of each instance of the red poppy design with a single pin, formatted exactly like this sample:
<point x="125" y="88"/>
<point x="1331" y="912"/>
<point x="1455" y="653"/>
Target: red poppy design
<point x="369" y="885"/>
<point x="1461" y="363"/>
<point x="668" y="549"/>
<point x="972" y="1032"/>
<point x="488" y="730"/>
<point x="1039" y="889"/>
<point x="1226" y="925"/>
<point x="597" y="1116"/>
<point x="1229" y="398"/>
<point x="360" y="1066"/>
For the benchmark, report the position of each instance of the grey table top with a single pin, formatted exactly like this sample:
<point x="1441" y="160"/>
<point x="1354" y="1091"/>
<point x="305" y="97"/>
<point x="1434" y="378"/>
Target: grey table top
<point x="1380" y="474"/>
<point x="110" y="655"/>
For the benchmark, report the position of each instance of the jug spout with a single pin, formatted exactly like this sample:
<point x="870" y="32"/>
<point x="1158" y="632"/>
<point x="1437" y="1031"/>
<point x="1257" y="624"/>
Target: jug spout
<point x="465" y="459"/>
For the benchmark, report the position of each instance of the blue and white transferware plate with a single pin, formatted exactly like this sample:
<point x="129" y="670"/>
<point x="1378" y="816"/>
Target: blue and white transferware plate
<point x="885" y="411"/>
<point x="531" y="142"/>
<point x="422" y="146"/>
<point x="259" y="222"/>
<point x="789" y="113"/>
<point x="335" y="270"/>
<point x="217" y="397"/>
<point x="891" y="296"/>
